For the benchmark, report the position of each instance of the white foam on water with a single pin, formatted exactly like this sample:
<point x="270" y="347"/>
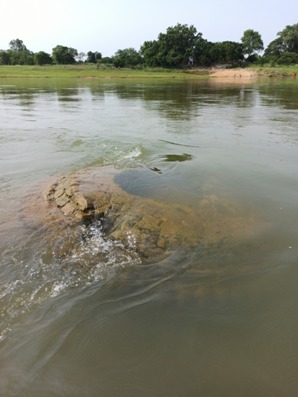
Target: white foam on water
<point x="128" y="157"/>
<point x="95" y="259"/>
<point x="105" y="255"/>
<point x="134" y="153"/>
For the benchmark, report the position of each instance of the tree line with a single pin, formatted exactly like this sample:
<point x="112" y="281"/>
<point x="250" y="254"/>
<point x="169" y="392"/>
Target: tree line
<point x="179" y="46"/>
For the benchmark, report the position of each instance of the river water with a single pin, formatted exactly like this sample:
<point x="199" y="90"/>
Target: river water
<point x="216" y="320"/>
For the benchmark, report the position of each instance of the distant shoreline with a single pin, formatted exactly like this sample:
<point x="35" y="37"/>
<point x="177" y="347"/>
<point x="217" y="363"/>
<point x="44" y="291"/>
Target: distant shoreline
<point x="90" y="71"/>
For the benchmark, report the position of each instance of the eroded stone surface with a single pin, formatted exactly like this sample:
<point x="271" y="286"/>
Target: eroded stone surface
<point x="148" y="226"/>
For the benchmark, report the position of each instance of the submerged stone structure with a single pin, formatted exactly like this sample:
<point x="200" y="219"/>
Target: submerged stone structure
<point x="147" y="226"/>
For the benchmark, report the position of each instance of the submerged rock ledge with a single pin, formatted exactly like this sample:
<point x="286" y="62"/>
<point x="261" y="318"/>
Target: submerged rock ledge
<point x="147" y="226"/>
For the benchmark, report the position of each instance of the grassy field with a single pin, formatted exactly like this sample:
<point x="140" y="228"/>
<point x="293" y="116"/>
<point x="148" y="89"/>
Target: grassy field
<point x="280" y="71"/>
<point x="87" y="71"/>
<point x="90" y="71"/>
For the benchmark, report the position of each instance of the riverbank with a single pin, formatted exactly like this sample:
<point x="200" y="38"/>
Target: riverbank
<point x="91" y="71"/>
<point x="253" y="72"/>
<point x="234" y="73"/>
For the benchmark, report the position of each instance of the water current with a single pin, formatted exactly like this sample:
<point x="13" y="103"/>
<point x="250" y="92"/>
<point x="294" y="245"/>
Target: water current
<point x="218" y="319"/>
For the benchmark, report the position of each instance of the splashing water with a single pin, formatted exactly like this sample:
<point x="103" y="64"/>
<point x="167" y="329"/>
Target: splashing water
<point x="95" y="259"/>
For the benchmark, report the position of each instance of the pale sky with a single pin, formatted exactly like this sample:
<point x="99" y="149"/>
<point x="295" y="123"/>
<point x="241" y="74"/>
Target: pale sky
<point x="109" y="25"/>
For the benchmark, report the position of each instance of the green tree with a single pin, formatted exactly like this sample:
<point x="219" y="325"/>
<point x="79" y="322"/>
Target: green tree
<point x="225" y="52"/>
<point x="182" y="43"/>
<point x="107" y="61"/>
<point x="284" y="49"/>
<point x="203" y="52"/>
<point x="173" y="48"/>
<point x="64" y="55"/>
<point x="21" y="57"/>
<point x="275" y="48"/>
<point x="150" y="51"/>
<point x="128" y="57"/>
<point x="17" y="45"/>
<point x="4" y="57"/>
<point x="42" y="58"/>
<point x="93" y="57"/>
<point x="288" y="58"/>
<point x="252" y="42"/>
<point x="177" y="45"/>
<point x="19" y="54"/>
<point x="231" y="52"/>
<point x="289" y="38"/>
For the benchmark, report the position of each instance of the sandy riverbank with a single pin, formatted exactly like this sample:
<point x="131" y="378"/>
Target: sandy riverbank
<point x="234" y="73"/>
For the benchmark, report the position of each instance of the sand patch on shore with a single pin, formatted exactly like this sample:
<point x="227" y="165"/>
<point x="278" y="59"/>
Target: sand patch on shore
<point x="234" y="73"/>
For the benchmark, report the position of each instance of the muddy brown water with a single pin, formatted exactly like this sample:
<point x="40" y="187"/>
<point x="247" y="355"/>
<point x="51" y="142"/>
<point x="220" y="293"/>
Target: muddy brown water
<point x="81" y="312"/>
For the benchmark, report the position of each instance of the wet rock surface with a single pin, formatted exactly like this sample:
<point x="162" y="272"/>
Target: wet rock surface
<point x="147" y="226"/>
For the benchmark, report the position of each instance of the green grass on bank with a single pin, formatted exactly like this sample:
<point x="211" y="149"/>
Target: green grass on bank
<point x="276" y="71"/>
<point x="91" y="71"/>
<point x="88" y="71"/>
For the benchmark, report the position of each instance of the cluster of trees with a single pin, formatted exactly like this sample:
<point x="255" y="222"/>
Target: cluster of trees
<point x="284" y="49"/>
<point x="180" y="46"/>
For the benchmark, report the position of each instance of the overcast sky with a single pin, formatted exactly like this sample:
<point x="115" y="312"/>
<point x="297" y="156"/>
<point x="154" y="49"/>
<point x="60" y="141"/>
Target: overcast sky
<point x="109" y="25"/>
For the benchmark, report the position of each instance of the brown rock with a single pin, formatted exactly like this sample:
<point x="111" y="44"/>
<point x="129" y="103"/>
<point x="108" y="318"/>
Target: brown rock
<point x="151" y="227"/>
